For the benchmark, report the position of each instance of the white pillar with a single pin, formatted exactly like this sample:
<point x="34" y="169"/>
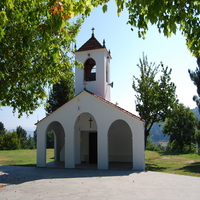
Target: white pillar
<point x="41" y="146"/>
<point x="138" y="148"/>
<point x="69" y="146"/>
<point x="102" y="147"/>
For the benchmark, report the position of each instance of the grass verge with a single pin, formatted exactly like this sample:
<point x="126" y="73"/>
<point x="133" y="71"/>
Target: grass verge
<point x="184" y="164"/>
<point x="22" y="157"/>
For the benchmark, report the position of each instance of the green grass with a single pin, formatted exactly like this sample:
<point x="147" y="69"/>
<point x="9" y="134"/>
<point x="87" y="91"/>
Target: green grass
<point x="22" y="157"/>
<point x="184" y="164"/>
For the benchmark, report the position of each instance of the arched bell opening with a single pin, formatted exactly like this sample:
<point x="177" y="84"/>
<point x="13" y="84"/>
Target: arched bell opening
<point x="90" y="70"/>
<point x="120" y="146"/>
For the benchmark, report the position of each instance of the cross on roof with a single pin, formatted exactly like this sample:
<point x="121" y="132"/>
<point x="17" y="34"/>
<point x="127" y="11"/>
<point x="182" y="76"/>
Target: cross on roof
<point x="93" y="31"/>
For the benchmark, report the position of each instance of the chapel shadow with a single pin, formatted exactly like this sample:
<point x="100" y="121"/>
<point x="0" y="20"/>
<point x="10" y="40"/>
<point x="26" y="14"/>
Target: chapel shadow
<point x="19" y="174"/>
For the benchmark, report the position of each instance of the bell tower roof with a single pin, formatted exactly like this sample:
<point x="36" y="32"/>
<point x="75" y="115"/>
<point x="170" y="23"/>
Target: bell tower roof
<point x="93" y="44"/>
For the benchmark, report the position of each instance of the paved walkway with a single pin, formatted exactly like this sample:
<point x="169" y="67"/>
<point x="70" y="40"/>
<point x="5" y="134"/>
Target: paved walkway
<point x="31" y="183"/>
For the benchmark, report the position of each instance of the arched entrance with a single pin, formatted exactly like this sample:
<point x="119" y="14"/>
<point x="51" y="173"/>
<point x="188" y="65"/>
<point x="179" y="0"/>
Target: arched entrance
<point x="59" y="144"/>
<point x="85" y="129"/>
<point x="120" y="145"/>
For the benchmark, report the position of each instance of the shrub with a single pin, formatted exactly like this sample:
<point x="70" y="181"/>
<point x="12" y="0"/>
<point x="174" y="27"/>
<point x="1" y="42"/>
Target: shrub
<point x="9" y="141"/>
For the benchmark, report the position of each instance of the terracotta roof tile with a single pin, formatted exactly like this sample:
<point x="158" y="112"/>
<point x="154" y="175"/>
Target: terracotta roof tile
<point x="91" y="44"/>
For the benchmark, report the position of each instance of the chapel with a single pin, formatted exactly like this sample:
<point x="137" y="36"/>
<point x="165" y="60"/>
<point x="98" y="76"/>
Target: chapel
<point x="89" y="129"/>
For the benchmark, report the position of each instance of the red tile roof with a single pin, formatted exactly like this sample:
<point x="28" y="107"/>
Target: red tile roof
<point x="91" y="44"/>
<point x="115" y="106"/>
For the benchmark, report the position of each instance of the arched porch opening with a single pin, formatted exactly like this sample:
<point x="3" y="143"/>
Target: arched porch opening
<point x="85" y="129"/>
<point x="120" y="154"/>
<point x="59" y="144"/>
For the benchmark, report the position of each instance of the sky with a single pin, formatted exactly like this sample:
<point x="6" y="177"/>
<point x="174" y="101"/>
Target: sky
<point x="126" y="50"/>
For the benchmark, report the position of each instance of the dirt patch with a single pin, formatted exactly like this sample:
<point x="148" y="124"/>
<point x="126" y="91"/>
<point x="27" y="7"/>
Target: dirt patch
<point x="1" y="186"/>
<point x="171" y="157"/>
<point x="190" y="161"/>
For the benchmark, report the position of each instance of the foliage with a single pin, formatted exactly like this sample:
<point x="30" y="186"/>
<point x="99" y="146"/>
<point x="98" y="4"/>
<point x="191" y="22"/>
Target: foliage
<point x="195" y="77"/>
<point x="2" y="128"/>
<point x="9" y="141"/>
<point x="60" y="93"/>
<point x="30" y="143"/>
<point x="168" y="16"/>
<point x="22" y="135"/>
<point x="154" y="98"/>
<point x="152" y="147"/>
<point x="35" y="41"/>
<point x="181" y="126"/>
<point x="50" y="140"/>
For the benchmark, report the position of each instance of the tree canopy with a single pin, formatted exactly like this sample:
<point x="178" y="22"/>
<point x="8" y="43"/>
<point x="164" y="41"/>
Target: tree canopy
<point x="36" y="39"/>
<point x="155" y="98"/>
<point x="60" y="93"/>
<point x="168" y="15"/>
<point x="181" y="127"/>
<point x="195" y="77"/>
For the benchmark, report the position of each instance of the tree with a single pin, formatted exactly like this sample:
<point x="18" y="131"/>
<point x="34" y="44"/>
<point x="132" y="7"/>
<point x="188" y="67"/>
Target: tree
<point x="168" y="16"/>
<point x="22" y="135"/>
<point x="195" y="77"/>
<point x="181" y="126"/>
<point x="60" y="93"/>
<point x="36" y="38"/>
<point x="9" y="141"/>
<point x="154" y="98"/>
<point x="35" y="41"/>
<point x="2" y="129"/>
<point x="50" y="140"/>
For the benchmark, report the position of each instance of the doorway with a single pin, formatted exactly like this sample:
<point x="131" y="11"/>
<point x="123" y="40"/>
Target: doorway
<point x="93" y="147"/>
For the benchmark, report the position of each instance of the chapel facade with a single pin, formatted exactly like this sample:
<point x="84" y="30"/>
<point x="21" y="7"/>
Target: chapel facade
<point x="89" y="129"/>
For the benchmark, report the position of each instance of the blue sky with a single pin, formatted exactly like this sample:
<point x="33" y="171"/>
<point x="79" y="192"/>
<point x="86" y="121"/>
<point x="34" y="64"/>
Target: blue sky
<point x="126" y="49"/>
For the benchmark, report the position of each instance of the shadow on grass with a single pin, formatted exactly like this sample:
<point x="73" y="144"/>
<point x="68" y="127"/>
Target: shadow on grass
<point x="154" y="167"/>
<point x="193" y="167"/>
<point x="164" y="153"/>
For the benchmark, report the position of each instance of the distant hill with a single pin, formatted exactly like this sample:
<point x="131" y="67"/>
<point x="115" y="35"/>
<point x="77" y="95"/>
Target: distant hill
<point x="156" y="130"/>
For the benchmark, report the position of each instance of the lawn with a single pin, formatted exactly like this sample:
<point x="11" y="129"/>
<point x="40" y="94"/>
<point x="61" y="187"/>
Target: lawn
<point x="184" y="164"/>
<point x="22" y="157"/>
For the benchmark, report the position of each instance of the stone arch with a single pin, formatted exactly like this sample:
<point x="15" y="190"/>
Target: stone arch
<point x="90" y="70"/>
<point x="85" y="130"/>
<point x="59" y="140"/>
<point x="120" y="144"/>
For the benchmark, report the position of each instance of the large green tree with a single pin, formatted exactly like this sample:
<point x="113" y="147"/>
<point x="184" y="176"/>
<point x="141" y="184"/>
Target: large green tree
<point x="22" y="135"/>
<point x="36" y="37"/>
<point x="155" y="98"/>
<point x="60" y="93"/>
<point x="35" y="41"/>
<point x="168" y="15"/>
<point x="195" y="77"/>
<point x="2" y="129"/>
<point x="181" y="128"/>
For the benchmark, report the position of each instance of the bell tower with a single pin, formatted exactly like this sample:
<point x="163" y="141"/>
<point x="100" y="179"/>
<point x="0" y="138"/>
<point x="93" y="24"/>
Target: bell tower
<point x="95" y="74"/>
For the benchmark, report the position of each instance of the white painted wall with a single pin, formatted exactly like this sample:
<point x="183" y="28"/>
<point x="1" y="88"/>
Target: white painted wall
<point x="100" y="86"/>
<point x="104" y="115"/>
